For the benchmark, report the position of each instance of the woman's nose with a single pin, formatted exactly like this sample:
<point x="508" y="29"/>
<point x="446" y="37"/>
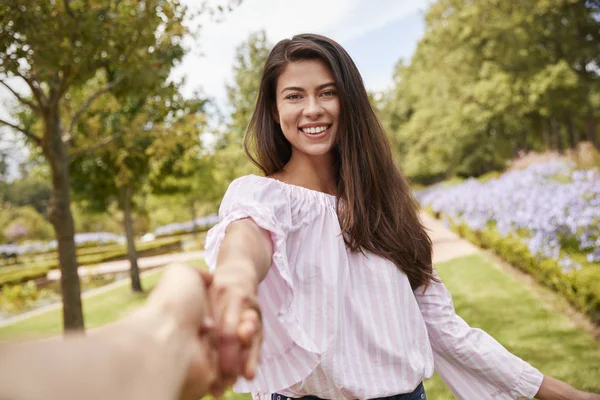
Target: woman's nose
<point x="313" y="108"/>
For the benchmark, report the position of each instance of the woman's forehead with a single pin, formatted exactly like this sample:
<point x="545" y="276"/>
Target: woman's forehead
<point x="305" y="74"/>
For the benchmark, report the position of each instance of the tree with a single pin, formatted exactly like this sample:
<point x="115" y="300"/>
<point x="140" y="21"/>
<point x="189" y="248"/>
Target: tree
<point x="119" y="170"/>
<point x="187" y="177"/>
<point x="32" y="189"/>
<point x="250" y="58"/>
<point x="472" y="98"/>
<point x="55" y="47"/>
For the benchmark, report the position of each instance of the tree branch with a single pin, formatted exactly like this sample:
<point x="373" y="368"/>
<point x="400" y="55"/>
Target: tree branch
<point x="25" y="132"/>
<point x="88" y="102"/>
<point x="21" y="99"/>
<point x="94" y="147"/>
<point x="68" y="8"/>
<point x="37" y="93"/>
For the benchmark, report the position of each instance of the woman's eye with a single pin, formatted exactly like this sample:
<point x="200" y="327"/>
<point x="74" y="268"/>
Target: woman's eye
<point x="329" y="93"/>
<point x="293" y="96"/>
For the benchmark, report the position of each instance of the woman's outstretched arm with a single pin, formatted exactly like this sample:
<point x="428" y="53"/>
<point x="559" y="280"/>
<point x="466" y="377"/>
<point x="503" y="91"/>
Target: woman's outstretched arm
<point x="244" y="258"/>
<point x="475" y="365"/>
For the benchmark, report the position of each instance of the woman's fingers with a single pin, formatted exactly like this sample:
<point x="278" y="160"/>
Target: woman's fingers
<point x="254" y="355"/>
<point x="249" y="326"/>
<point x="229" y="343"/>
<point x="206" y="276"/>
<point x="250" y="334"/>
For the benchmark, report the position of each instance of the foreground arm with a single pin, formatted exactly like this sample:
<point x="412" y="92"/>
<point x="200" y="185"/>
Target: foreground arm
<point x="163" y="351"/>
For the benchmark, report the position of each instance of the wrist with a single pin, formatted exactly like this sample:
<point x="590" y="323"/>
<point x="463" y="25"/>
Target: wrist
<point x="554" y="389"/>
<point x="241" y="275"/>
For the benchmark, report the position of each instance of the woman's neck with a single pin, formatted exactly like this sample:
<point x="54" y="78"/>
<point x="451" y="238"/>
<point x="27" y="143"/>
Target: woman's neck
<point x="316" y="173"/>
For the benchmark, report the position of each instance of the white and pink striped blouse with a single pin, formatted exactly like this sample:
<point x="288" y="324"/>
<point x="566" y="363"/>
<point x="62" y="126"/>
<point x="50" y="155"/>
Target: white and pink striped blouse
<point x="342" y="325"/>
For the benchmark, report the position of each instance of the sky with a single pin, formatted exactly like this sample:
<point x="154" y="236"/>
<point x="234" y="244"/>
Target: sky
<point x="376" y="33"/>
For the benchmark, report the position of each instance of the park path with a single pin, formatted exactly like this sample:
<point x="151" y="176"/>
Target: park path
<point x="112" y="267"/>
<point x="146" y="264"/>
<point x="446" y="246"/>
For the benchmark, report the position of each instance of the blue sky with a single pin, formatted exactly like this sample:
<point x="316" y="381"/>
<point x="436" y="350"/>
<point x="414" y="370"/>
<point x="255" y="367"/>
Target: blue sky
<point x="377" y="52"/>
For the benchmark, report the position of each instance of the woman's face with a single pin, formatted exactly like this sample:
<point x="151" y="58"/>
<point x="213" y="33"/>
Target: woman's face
<point x="308" y="107"/>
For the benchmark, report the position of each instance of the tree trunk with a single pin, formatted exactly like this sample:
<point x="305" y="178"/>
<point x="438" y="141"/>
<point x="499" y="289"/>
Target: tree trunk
<point x="572" y="133"/>
<point x="591" y="129"/>
<point x="194" y="216"/>
<point x="134" y="271"/>
<point x="555" y="129"/>
<point x="59" y="211"/>
<point x="546" y="135"/>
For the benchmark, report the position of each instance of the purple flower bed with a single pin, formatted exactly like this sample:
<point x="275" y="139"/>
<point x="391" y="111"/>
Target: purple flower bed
<point x="187" y="227"/>
<point x="81" y="239"/>
<point x="552" y="207"/>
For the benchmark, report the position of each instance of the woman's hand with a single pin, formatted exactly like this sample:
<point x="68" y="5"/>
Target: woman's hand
<point x="588" y="396"/>
<point x="238" y="324"/>
<point x="554" y="389"/>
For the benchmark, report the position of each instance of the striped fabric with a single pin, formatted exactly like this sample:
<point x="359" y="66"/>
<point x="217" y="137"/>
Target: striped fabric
<point x="342" y="325"/>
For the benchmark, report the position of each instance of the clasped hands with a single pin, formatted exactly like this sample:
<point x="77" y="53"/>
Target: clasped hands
<point x="217" y="320"/>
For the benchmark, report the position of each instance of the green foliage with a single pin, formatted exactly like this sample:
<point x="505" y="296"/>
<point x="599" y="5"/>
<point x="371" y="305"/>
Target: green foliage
<point x="247" y="70"/>
<point x="30" y="190"/>
<point x="34" y="225"/>
<point x="472" y="98"/>
<point x="20" y="297"/>
<point x="580" y="288"/>
<point x="39" y="269"/>
<point x="98" y="310"/>
<point x="230" y="160"/>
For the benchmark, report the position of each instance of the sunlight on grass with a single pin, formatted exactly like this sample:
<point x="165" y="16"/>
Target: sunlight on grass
<point x="98" y="310"/>
<point x="488" y="298"/>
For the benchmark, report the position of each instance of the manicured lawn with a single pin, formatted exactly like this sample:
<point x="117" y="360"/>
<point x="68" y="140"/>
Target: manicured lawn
<point x="487" y="298"/>
<point x="484" y="295"/>
<point x="98" y="310"/>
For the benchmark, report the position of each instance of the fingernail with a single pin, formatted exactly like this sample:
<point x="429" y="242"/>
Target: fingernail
<point x="208" y="322"/>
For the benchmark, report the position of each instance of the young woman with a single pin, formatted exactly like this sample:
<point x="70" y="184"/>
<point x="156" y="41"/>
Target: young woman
<point x="331" y="243"/>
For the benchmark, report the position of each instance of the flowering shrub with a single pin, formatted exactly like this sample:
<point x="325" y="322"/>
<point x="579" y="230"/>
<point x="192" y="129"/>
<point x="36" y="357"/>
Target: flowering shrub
<point x="177" y="228"/>
<point x="549" y="206"/>
<point x="552" y="209"/>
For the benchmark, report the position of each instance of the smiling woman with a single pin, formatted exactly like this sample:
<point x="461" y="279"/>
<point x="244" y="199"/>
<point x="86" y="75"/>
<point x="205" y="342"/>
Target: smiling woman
<point x="308" y="108"/>
<point x="330" y="244"/>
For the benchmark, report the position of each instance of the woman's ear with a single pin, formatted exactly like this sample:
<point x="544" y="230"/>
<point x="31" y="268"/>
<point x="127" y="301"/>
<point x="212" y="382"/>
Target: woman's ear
<point x="275" y="114"/>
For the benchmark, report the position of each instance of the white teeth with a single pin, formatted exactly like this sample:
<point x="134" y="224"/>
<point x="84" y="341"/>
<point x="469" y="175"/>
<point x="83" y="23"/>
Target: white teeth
<point x="314" y="130"/>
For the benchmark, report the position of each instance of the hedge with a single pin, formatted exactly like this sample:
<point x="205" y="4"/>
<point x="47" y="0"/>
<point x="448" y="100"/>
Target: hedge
<point x="580" y="287"/>
<point x="19" y="274"/>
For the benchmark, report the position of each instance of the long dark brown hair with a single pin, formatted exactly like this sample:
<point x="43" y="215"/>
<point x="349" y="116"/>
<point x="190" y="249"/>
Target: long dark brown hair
<point x="376" y="209"/>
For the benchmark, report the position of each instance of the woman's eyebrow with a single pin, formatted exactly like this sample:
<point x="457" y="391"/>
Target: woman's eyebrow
<point x="299" y="89"/>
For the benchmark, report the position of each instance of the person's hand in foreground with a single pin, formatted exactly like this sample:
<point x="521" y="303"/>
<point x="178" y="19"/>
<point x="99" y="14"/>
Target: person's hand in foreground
<point x="238" y="326"/>
<point x="180" y="304"/>
<point x="165" y="350"/>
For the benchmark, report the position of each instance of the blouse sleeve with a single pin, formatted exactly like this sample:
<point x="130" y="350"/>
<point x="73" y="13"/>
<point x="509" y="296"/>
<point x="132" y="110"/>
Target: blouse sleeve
<point x="266" y="203"/>
<point x="257" y="198"/>
<point x="472" y="363"/>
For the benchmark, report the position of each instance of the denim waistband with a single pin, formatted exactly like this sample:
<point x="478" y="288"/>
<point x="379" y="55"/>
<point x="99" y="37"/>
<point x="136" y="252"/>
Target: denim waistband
<point x="417" y="394"/>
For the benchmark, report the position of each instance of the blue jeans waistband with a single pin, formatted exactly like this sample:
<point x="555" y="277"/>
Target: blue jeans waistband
<point x="417" y="394"/>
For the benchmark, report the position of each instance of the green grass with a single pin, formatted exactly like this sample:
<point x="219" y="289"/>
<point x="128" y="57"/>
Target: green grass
<point x="484" y="295"/>
<point x="98" y="310"/>
<point x="487" y="298"/>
